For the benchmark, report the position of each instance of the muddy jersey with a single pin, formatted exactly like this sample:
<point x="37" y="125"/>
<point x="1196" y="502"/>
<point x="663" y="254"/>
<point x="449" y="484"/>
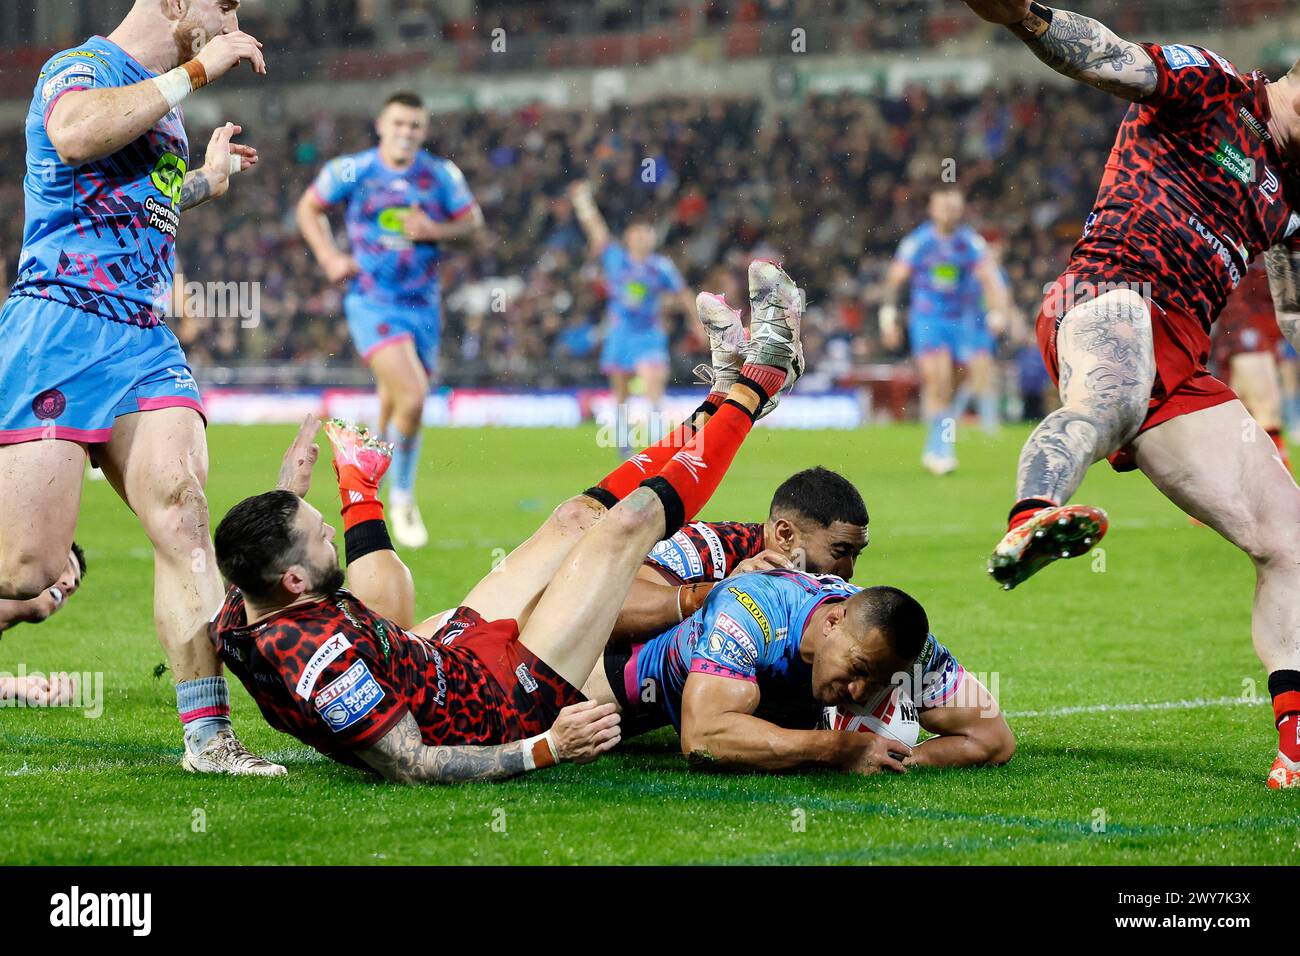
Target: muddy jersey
<point x="338" y="677"/>
<point x="707" y="550"/>
<point x="1194" y="189"/>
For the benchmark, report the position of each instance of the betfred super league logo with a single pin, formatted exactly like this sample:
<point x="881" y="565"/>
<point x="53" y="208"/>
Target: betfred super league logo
<point x="49" y="405"/>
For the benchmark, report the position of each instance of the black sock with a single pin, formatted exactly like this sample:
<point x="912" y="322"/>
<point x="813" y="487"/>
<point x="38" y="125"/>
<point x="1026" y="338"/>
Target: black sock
<point x="1029" y="504"/>
<point x="364" y="538"/>
<point x="603" y="496"/>
<point x="1280" y="682"/>
<point x="674" y="510"/>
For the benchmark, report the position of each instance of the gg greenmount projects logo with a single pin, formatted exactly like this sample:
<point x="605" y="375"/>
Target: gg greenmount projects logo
<point x="168" y="177"/>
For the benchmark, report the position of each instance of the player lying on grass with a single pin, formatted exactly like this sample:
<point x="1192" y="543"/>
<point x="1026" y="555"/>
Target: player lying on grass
<point x="746" y="678"/>
<point x="491" y="691"/>
<point x="1202" y="179"/>
<point x="37" y="690"/>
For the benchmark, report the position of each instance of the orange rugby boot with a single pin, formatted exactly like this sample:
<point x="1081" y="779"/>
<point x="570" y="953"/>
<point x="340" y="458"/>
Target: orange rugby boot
<point x="1064" y="532"/>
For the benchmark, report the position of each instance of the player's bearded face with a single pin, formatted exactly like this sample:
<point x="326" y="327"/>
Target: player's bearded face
<point x="199" y="22"/>
<point x="326" y="577"/>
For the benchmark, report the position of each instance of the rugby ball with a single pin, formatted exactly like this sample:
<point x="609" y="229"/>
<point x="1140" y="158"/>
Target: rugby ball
<point x="891" y="715"/>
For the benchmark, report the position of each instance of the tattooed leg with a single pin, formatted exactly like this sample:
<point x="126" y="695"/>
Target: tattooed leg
<point x="1107" y="362"/>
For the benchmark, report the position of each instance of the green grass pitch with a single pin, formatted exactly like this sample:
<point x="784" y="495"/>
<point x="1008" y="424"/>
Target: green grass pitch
<point x="1162" y="616"/>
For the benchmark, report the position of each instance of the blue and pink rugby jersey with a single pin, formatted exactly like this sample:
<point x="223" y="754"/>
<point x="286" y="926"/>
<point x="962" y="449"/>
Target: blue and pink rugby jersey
<point x="394" y="270"/>
<point x="100" y="237"/>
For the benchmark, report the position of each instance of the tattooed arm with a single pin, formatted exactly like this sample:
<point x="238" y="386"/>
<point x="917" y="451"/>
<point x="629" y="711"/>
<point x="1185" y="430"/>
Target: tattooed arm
<point x="402" y="757"/>
<point x="580" y="734"/>
<point x="196" y="191"/>
<point x="1284" y="282"/>
<point x="1076" y="46"/>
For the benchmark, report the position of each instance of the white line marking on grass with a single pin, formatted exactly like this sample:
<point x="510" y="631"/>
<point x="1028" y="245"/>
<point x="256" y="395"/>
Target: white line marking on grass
<point x="1197" y="703"/>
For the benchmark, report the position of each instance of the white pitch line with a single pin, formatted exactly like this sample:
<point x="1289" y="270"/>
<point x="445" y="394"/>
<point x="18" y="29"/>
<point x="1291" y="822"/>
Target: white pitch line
<point x="1195" y="704"/>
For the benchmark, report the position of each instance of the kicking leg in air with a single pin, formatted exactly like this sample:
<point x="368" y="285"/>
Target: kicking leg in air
<point x="573" y="618"/>
<point x="514" y="586"/>
<point x="1106" y="357"/>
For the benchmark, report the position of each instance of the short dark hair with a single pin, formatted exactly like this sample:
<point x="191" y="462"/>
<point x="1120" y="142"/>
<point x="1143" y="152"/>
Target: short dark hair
<point x="81" y="561"/>
<point x="255" y="539"/>
<point x="896" y="614"/>
<point x="404" y="98"/>
<point x="820" y="495"/>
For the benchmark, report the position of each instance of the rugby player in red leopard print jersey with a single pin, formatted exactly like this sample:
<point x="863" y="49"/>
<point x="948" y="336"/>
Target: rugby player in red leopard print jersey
<point x="492" y="690"/>
<point x="817" y="522"/>
<point x="1202" y="179"/>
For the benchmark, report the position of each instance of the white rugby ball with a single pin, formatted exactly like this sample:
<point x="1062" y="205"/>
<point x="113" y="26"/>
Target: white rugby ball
<point x="891" y="715"/>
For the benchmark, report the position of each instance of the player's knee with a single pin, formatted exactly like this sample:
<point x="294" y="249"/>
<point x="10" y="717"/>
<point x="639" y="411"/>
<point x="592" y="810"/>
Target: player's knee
<point x="578" y="514"/>
<point x="26" y="573"/>
<point x="408" y="407"/>
<point x="179" y="507"/>
<point x="1273" y="543"/>
<point x="999" y="747"/>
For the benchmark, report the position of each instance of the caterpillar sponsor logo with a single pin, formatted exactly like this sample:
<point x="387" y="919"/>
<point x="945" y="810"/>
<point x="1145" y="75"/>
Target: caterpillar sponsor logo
<point x="75" y="909"/>
<point x="750" y="605"/>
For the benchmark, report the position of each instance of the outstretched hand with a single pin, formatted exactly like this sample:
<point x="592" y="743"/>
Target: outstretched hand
<point x="300" y="459"/>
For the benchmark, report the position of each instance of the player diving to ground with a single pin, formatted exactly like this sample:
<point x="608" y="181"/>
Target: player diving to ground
<point x="1202" y="179"/>
<point x="402" y="204"/>
<point x="491" y="691"/>
<point x="87" y="363"/>
<point x="745" y="680"/>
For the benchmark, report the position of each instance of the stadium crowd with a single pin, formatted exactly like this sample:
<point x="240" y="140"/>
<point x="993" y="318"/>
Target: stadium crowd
<point x="829" y="187"/>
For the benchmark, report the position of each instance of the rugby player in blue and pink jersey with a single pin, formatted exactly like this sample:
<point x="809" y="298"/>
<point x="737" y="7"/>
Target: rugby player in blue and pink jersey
<point x="745" y="679"/>
<point x="401" y="203"/>
<point x="87" y="363"/>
